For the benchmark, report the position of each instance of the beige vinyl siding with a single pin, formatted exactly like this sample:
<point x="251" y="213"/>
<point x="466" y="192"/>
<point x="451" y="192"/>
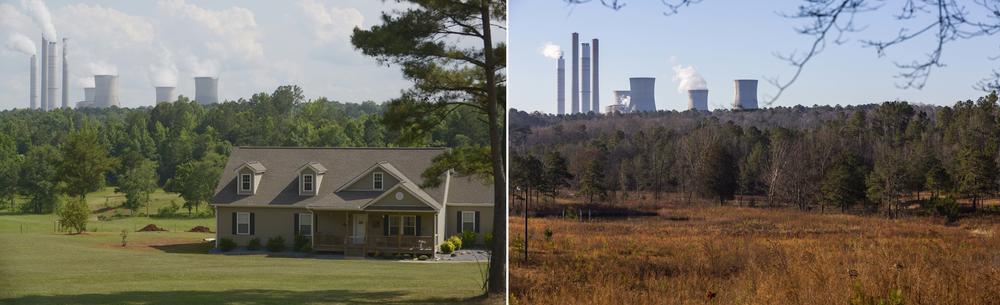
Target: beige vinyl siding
<point x="365" y="183"/>
<point x="268" y="222"/>
<point x="452" y="225"/>
<point x="389" y="202"/>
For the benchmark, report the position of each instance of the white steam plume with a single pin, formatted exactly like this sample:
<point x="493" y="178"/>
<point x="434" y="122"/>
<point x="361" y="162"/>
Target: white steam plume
<point x="689" y="78"/>
<point x="164" y="72"/>
<point x="40" y="13"/>
<point x="102" y="68"/>
<point x="85" y="82"/>
<point x="21" y="43"/>
<point x="551" y="50"/>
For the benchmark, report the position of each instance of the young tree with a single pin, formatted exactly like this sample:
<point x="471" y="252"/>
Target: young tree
<point x="10" y="166"/>
<point x="195" y="180"/>
<point x="74" y="214"/>
<point x="844" y="184"/>
<point x="592" y="181"/>
<point x="137" y="183"/>
<point x="40" y="178"/>
<point x="556" y="173"/>
<point x="85" y="161"/>
<point x="717" y="173"/>
<point x="448" y="49"/>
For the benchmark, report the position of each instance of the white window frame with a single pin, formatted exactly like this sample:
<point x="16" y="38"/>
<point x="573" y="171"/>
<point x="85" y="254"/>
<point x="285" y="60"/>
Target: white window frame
<point x="240" y="221"/>
<point x="305" y="229"/>
<point x="406" y="226"/>
<point x="311" y="183"/>
<point x="399" y="225"/>
<point x="468" y="217"/>
<point x="378" y="181"/>
<point x="246" y="180"/>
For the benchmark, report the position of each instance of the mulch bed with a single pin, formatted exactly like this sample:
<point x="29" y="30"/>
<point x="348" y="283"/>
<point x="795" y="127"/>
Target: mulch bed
<point x="151" y="228"/>
<point x="202" y="229"/>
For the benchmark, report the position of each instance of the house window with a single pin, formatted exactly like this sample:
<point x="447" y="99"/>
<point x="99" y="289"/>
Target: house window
<point x="394" y="224"/>
<point x="307" y="183"/>
<point x="410" y="225"/>
<point x="305" y="224"/>
<point x="468" y="221"/>
<point x="245" y="181"/>
<point x="377" y="181"/>
<point x="242" y="223"/>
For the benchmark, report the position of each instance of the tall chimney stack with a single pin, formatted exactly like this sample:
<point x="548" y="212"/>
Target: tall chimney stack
<point x="561" y="86"/>
<point x="585" y="101"/>
<point x="65" y="77"/>
<point x="33" y="93"/>
<point x="44" y="88"/>
<point x="575" y="90"/>
<point x="50" y="96"/>
<point x="596" y="94"/>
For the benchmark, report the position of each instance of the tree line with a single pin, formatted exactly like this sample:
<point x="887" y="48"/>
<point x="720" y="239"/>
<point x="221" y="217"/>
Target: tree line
<point x="875" y="158"/>
<point x="182" y="146"/>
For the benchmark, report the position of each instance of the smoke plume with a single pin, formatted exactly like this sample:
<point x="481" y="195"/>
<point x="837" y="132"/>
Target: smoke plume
<point x="689" y="78"/>
<point x="85" y="82"/>
<point x="40" y="13"/>
<point x="200" y="67"/>
<point x="551" y="50"/>
<point x="102" y="68"/>
<point x="164" y="72"/>
<point x="21" y="43"/>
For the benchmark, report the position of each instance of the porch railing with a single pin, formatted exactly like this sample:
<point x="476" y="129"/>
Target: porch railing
<point x="395" y="242"/>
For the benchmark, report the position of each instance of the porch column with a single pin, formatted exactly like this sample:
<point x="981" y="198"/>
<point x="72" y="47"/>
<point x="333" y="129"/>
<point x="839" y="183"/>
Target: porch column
<point x="312" y="237"/>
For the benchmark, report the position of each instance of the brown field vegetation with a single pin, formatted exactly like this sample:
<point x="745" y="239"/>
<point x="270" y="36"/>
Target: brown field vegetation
<point x="736" y="255"/>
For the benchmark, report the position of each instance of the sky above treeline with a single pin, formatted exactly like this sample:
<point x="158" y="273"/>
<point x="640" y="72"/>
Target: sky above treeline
<point x="252" y="46"/>
<point x="726" y="40"/>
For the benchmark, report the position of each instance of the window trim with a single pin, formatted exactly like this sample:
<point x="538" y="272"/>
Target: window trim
<point x="468" y="217"/>
<point x="238" y="223"/>
<point x="311" y="183"/>
<point x="399" y="225"/>
<point x="246" y="180"/>
<point x="404" y="226"/>
<point x="378" y="181"/>
<point x="306" y="233"/>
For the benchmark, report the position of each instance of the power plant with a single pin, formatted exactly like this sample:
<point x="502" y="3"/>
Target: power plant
<point x="33" y="88"/>
<point x="165" y="95"/>
<point x="585" y="93"/>
<point x="44" y="88"/>
<point x="621" y="104"/>
<point x="698" y="99"/>
<point x="106" y="91"/>
<point x="65" y="77"/>
<point x="50" y="75"/>
<point x="206" y="90"/>
<point x="596" y="97"/>
<point x="641" y="94"/>
<point x="560" y="85"/>
<point x="586" y="99"/>
<point x="576" y="74"/>
<point x="746" y="94"/>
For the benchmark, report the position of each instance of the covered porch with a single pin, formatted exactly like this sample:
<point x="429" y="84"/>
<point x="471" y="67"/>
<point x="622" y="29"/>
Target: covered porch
<point x="360" y="233"/>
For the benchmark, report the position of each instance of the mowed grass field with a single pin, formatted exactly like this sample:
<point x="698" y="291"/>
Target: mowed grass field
<point x="40" y="266"/>
<point x="734" y="255"/>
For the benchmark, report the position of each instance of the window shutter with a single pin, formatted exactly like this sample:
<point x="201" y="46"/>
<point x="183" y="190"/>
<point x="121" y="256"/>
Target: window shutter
<point x="418" y="225"/>
<point x="477" y="221"/>
<point x="234" y="223"/>
<point x="458" y="226"/>
<point x="385" y="225"/>
<point x="315" y="221"/>
<point x="295" y="229"/>
<point x="251" y="224"/>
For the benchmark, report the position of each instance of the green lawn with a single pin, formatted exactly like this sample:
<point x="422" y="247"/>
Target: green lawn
<point x="40" y="266"/>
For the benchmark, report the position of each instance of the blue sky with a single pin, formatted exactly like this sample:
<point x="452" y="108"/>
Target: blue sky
<point x="726" y="40"/>
<point x="253" y="46"/>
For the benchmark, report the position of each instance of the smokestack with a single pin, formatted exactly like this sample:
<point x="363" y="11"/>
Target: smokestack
<point x="44" y="81"/>
<point x="65" y="78"/>
<point x="561" y="86"/>
<point x="50" y="96"/>
<point x="585" y="75"/>
<point x="165" y="95"/>
<point x="746" y="94"/>
<point x="698" y="99"/>
<point x="575" y="93"/>
<point x="88" y="94"/>
<point x="641" y="94"/>
<point x="106" y="91"/>
<point x="33" y="88"/>
<point x="596" y="94"/>
<point x="206" y="90"/>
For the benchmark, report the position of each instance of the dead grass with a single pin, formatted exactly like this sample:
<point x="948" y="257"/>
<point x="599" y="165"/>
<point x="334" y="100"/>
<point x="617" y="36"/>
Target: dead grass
<point x="733" y="255"/>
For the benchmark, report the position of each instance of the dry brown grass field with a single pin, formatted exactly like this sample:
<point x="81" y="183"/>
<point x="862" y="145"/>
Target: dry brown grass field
<point x="737" y="255"/>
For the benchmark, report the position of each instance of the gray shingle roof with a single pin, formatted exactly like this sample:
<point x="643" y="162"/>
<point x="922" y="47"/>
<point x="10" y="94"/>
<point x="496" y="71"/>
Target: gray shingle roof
<point x="255" y="166"/>
<point x="469" y="190"/>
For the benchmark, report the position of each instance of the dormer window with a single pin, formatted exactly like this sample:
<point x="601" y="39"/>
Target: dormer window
<point x="248" y="177"/>
<point x="307" y="183"/>
<point x="310" y="178"/>
<point x="246" y="182"/>
<point x="377" y="181"/>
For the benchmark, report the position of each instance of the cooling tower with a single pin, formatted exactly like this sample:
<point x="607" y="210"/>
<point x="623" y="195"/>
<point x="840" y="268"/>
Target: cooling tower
<point x="165" y="95"/>
<point x="44" y="88"/>
<point x="65" y="78"/>
<point x="585" y="79"/>
<point x="575" y="90"/>
<point x="50" y="96"/>
<point x="746" y="94"/>
<point x="33" y="87"/>
<point x="596" y="95"/>
<point x="641" y="94"/>
<point x="106" y="91"/>
<point x="561" y="86"/>
<point x="698" y="99"/>
<point x="88" y="94"/>
<point x="206" y="90"/>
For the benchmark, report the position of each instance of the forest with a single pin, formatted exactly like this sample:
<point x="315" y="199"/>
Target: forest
<point x="182" y="146"/>
<point x="874" y="158"/>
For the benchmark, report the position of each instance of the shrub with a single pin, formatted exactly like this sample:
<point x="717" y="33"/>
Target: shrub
<point x="254" y="244"/>
<point x="548" y="234"/>
<point x="300" y="243"/>
<point x="226" y="244"/>
<point x="488" y="240"/>
<point x="422" y="257"/>
<point x="73" y="215"/>
<point x="168" y="210"/>
<point x="469" y="238"/>
<point x="447" y="247"/>
<point x="946" y="207"/>
<point x="276" y="244"/>
<point x="456" y="240"/>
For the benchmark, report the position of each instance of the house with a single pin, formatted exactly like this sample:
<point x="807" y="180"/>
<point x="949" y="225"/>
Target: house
<point x="352" y="200"/>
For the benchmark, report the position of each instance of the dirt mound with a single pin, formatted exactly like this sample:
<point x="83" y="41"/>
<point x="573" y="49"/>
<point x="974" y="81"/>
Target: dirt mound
<point x="151" y="228"/>
<point x="202" y="229"/>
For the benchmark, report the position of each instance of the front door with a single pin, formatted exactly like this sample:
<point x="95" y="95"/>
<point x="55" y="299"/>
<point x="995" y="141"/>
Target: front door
<point x="360" y="225"/>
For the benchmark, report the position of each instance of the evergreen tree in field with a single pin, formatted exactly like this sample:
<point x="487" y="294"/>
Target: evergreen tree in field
<point x="592" y="181"/>
<point x="844" y="183"/>
<point x="976" y="174"/>
<point x="137" y="182"/>
<point x="556" y="173"/>
<point x="937" y="179"/>
<point x="39" y="179"/>
<point x="85" y="161"/>
<point x="10" y="167"/>
<point x="718" y="173"/>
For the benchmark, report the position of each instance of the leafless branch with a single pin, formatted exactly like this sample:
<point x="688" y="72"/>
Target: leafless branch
<point x="673" y="6"/>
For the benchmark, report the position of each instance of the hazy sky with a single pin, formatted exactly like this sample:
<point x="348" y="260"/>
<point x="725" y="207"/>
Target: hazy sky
<point x="725" y="40"/>
<point x="253" y="46"/>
